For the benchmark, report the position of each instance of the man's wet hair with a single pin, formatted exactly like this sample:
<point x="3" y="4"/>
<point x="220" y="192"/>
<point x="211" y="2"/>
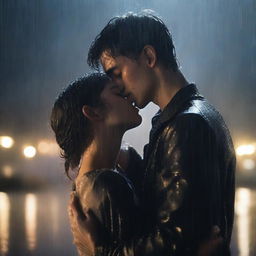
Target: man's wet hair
<point x="127" y="35"/>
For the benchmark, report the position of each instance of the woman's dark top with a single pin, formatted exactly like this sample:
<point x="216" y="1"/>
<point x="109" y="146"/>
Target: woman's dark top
<point x="110" y="197"/>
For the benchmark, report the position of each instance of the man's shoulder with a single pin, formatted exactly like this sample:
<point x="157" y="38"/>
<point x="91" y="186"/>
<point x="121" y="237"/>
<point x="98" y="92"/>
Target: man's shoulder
<point x="186" y="124"/>
<point x="201" y="112"/>
<point x="199" y="116"/>
<point x="196" y="112"/>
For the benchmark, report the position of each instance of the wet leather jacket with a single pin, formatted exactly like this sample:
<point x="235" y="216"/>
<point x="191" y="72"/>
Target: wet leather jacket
<point x="188" y="181"/>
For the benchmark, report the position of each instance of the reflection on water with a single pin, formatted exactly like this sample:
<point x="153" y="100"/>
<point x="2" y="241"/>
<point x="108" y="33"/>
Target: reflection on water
<point x="4" y="222"/>
<point x="30" y="220"/>
<point x="243" y="199"/>
<point x="54" y="205"/>
<point x="37" y="224"/>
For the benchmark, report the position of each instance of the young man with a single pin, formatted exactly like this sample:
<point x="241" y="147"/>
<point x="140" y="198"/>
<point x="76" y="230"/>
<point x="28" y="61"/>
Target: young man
<point x="189" y="163"/>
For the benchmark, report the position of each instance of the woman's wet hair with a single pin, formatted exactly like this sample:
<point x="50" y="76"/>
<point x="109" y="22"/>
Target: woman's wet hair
<point x="72" y="129"/>
<point x="127" y="35"/>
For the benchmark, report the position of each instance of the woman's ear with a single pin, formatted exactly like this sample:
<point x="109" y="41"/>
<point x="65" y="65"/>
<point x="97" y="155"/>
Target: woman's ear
<point x="92" y="113"/>
<point x="149" y="53"/>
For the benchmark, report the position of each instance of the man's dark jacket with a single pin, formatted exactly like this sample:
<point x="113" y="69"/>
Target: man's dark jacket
<point x="188" y="180"/>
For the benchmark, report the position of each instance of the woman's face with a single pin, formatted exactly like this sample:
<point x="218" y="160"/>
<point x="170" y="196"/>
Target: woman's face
<point x="119" y="111"/>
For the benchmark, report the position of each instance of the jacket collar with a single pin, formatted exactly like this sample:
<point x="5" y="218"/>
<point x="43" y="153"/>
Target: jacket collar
<point x="183" y="96"/>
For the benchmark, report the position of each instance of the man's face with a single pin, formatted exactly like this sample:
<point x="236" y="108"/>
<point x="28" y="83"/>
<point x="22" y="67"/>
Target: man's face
<point x="118" y="111"/>
<point x="133" y="77"/>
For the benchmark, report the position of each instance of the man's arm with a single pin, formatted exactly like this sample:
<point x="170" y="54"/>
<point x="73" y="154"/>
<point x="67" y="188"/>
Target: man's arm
<point x="81" y="235"/>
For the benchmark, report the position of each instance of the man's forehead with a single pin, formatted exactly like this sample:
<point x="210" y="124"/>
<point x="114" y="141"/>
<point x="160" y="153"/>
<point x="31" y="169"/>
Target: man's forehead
<point x="107" y="60"/>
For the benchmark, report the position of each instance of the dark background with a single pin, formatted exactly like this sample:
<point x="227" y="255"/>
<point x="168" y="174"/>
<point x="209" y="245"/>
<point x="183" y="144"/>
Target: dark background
<point x="43" y="47"/>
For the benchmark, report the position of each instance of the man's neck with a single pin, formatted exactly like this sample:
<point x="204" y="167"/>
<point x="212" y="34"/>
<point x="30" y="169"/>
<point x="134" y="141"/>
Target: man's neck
<point x="168" y="85"/>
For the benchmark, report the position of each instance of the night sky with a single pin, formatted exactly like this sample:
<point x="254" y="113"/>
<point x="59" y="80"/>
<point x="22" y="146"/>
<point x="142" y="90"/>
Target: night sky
<point x="44" y="44"/>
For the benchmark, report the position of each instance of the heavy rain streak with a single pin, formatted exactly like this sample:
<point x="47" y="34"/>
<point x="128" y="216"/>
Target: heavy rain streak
<point x="44" y="46"/>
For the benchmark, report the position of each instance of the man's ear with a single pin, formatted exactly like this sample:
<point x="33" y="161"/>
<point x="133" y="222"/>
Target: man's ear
<point x="149" y="53"/>
<point x="92" y="113"/>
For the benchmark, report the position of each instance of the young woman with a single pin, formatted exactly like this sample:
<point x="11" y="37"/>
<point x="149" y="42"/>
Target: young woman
<point x="89" y="119"/>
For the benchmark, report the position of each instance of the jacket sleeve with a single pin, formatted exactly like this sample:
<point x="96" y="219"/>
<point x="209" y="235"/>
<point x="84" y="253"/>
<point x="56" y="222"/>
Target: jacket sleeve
<point x="188" y="180"/>
<point x="178" y="201"/>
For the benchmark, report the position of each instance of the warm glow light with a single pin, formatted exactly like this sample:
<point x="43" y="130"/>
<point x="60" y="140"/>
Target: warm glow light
<point x="43" y="147"/>
<point x="4" y="223"/>
<point x="243" y="201"/>
<point x="245" y="150"/>
<point x="47" y="147"/>
<point x="7" y="171"/>
<point x="30" y="220"/>
<point x="248" y="164"/>
<point x="29" y="151"/>
<point x="6" y="141"/>
<point x="55" y="213"/>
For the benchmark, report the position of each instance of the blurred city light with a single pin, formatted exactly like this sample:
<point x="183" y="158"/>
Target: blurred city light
<point x="31" y="220"/>
<point x="7" y="171"/>
<point x="4" y="223"/>
<point x="29" y="151"/>
<point x="248" y="164"/>
<point x="6" y="141"/>
<point x="47" y="147"/>
<point x="245" y="150"/>
<point x="242" y="207"/>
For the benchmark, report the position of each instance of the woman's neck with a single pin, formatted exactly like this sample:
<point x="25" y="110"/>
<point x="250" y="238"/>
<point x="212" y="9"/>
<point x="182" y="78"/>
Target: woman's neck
<point x="103" y="151"/>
